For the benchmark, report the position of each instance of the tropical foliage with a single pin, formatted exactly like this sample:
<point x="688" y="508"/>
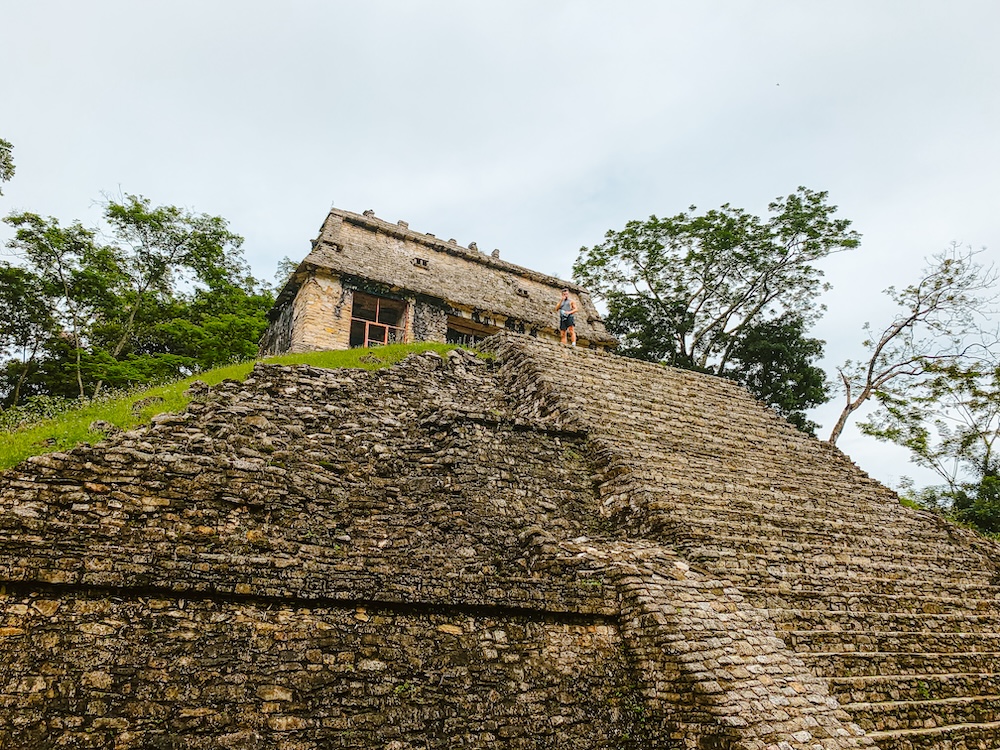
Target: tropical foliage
<point x="941" y="325"/>
<point x="725" y="292"/>
<point x="949" y="420"/>
<point x="162" y="294"/>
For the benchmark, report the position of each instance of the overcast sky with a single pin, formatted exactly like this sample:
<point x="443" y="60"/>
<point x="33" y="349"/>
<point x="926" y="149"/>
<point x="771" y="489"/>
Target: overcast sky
<point x="532" y="127"/>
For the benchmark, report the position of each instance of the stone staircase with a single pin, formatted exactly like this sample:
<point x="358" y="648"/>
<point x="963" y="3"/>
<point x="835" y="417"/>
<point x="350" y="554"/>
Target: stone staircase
<point x="897" y="610"/>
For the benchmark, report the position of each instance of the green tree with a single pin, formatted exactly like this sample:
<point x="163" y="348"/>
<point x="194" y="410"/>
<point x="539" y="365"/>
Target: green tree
<point x="774" y="360"/>
<point x="26" y="322"/>
<point x="286" y="267"/>
<point x="159" y="250"/>
<point x="75" y="272"/>
<point x="979" y="504"/>
<point x="699" y="291"/>
<point x="939" y="325"/>
<point x="168" y="295"/>
<point x="949" y="420"/>
<point x="6" y="161"/>
<point x="210" y="327"/>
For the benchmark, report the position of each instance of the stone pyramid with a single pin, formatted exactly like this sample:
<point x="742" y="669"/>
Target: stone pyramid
<point x="557" y="548"/>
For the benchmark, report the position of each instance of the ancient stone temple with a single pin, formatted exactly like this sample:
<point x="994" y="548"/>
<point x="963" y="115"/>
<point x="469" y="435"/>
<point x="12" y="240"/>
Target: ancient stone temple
<point x="369" y="282"/>
<point x="459" y="552"/>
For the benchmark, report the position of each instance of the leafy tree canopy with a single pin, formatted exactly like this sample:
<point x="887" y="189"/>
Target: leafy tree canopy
<point x="724" y="292"/>
<point x="774" y="361"/>
<point x="6" y="161"/>
<point x="26" y="320"/>
<point x="949" y="420"/>
<point x="164" y="295"/>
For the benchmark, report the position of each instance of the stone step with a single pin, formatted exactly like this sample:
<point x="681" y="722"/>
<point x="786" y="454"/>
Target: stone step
<point x="854" y="621"/>
<point x="846" y="586"/>
<point x="794" y="512"/>
<point x="754" y="572"/>
<point x="921" y="641"/>
<point x="779" y="525"/>
<point x="831" y="579"/>
<point x="912" y="687"/>
<point x="868" y="663"/>
<point x="835" y="599"/>
<point x="858" y="519"/>
<point x="682" y="471"/>
<point x="925" y="714"/>
<point x="973" y="736"/>
<point x="829" y="550"/>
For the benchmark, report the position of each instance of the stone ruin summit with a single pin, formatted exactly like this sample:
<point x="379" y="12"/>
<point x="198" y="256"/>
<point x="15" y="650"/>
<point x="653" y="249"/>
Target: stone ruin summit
<point x="368" y="282"/>
<point x="551" y="547"/>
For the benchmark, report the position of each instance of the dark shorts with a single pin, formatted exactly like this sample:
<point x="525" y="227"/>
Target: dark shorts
<point x="566" y="321"/>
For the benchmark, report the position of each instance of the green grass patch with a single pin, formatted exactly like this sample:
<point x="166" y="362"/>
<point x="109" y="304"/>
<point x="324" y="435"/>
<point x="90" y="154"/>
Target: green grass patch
<point x="72" y="427"/>
<point x="907" y="502"/>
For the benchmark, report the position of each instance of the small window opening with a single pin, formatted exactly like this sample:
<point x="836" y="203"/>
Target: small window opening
<point x="421" y="262"/>
<point x="522" y="292"/>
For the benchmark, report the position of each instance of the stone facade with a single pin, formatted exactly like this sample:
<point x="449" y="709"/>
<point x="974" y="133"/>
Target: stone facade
<point x="896" y="610"/>
<point x="461" y="553"/>
<point x="443" y="292"/>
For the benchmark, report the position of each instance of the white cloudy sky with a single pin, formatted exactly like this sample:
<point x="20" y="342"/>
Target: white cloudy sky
<point x="533" y="127"/>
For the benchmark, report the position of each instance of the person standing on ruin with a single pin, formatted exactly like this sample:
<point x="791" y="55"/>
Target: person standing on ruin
<point x="567" y="309"/>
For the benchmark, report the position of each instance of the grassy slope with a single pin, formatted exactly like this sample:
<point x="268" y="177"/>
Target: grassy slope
<point x="73" y="427"/>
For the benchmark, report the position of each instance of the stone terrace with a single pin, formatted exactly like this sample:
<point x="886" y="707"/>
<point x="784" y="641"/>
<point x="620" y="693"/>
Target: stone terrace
<point x="557" y="549"/>
<point x="896" y="609"/>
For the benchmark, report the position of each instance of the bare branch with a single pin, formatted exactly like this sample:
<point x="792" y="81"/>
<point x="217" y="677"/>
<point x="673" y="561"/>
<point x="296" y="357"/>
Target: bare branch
<point x="939" y="315"/>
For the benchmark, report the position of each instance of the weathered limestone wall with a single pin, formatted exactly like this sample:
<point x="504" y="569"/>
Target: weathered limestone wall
<point x="156" y="671"/>
<point x="896" y="609"/>
<point x="321" y="315"/>
<point x="307" y="483"/>
<point x="312" y="559"/>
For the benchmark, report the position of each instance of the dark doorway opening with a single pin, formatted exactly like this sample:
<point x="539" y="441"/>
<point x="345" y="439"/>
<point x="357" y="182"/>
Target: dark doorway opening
<point x="466" y="332"/>
<point x="376" y="321"/>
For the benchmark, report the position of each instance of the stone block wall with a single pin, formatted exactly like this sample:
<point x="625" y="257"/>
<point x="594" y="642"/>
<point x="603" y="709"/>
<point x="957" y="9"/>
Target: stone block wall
<point x="429" y="322"/>
<point x="456" y="553"/>
<point x="895" y="609"/>
<point x="320" y="317"/>
<point x="97" y="671"/>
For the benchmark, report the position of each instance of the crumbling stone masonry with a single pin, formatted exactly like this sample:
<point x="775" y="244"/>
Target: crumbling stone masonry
<point x="461" y="553"/>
